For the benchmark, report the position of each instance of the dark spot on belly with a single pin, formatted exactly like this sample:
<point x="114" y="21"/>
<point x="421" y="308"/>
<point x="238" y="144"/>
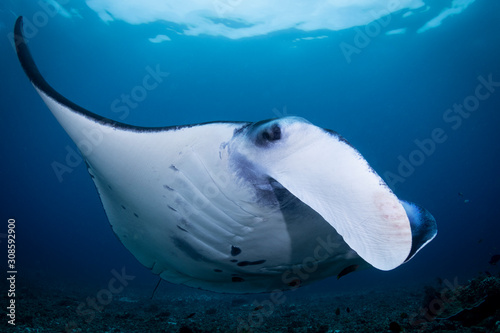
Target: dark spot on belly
<point x="237" y="279"/>
<point x="235" y="250"/>
<point x="168" y="187"/>
<point x="174" y="168"/>
<point x="249" y="263"/>
<point x="217" y="270"/>
<point x="188" y="249"/>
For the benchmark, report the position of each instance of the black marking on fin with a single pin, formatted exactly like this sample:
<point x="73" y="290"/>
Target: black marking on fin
<point x="241" y="129"/>
<point x="347" y="270"/>
<point x="423" y="227"/>
<point x="237" y="279"/>
<point x="235" y="250"/>
<point x="188" y="249"/>
<point x="250" y="263"/>
<point x="337" y="135"/>
<point x="262" y="122"/>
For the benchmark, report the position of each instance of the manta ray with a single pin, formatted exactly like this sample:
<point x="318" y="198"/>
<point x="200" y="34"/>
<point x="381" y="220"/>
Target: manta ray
<point x="239" y="207"/>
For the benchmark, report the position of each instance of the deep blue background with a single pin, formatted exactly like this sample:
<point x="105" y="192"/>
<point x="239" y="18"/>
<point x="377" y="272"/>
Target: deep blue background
<point x="393" y="92"/>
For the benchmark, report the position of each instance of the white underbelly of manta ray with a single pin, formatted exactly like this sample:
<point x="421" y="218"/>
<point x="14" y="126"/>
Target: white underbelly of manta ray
<point x="237" y="206"/>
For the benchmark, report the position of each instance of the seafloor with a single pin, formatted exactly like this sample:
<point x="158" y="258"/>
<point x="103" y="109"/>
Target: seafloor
<point x="444" y="306"/>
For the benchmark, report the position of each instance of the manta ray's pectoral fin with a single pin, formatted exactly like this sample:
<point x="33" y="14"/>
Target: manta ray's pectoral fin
<point x="423" y="226"/>
<point x="83" y="126"/>
<point x="323" y="171"/>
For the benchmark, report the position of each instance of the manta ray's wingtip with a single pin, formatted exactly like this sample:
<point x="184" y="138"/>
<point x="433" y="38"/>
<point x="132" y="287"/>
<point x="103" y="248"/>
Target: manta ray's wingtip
<point x="23" y="53"/>
<point x="19" y="21"/>
<point x="44" y="88"/>
<point x="25" y="57"/>
<point x="18" y="26"/>
<point x="30" y="68"/>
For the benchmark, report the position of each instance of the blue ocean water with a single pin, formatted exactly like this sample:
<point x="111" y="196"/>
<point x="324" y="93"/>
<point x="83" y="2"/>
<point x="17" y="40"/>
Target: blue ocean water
<point x="389" y="95"/>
